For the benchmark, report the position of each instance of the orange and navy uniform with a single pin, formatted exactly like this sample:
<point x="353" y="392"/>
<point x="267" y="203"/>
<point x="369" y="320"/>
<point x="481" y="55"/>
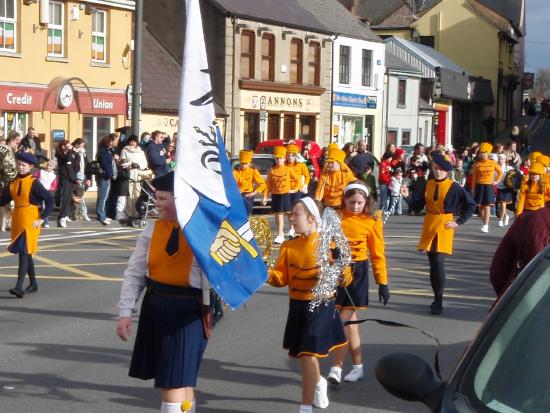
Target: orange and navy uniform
<point x="331" y="186"/>
<point x="297" y="267"/>
<point x="279" y="178"/>
<point x="366" y="238"/>
<point x="300" y="178"/>
<point x="532" y="197"/>
<point x="484" y="173"/>
<point x="249" y="180"/>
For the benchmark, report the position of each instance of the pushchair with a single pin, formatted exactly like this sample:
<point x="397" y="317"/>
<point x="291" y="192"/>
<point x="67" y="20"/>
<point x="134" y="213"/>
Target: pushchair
<point x="145" y="205"/>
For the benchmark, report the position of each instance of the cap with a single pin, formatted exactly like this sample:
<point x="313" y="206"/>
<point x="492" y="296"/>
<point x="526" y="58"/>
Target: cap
<point x="245" y="156"/>
<point x="292" y="149"/>
<point x="544" y="160"/>
<point x="279" y="151"/>
<point x="536" y="168"/>
<point x="442" y="161"/>
<point x="27" y="157"/>
<point x="336" y="154"/>
<point x="486" y="147"/>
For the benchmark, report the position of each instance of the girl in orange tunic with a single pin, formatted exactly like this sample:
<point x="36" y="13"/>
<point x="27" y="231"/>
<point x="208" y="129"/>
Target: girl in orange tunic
<point x="249" y="181"/>
<point x="365" y="237"/>
<point x="309" y="335"/>
<point x="444" y="198"/>
<point x="335" y="176"/>
<point x="534" y="192"/>
<point x="28" y="195"/>
<point x="299" y="181"/>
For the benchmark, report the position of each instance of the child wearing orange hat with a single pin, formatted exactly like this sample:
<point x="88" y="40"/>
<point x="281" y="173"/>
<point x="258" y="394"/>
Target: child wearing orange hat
<point x="249" y="181"/>
<point x="278" y="184"/>
<point x="334" y="178"/>
<point x="534" y="192"/>
<point x="485" y="175"/>
<point x="299" y="182"/>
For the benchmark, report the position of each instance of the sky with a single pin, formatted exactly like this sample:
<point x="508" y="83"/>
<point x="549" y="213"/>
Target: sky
<point x="537" y="42"/>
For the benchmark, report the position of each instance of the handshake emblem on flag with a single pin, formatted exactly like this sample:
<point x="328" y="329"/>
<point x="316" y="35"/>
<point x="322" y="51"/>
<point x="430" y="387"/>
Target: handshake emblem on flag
<point x="230" y="242"/>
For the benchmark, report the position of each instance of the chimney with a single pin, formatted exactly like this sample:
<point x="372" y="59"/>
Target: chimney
<point x="353" y="7"/>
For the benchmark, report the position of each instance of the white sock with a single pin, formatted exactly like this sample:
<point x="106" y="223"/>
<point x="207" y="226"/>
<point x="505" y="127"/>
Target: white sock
<point x="306" y="408"/>
<point x="170" y="407"/>
<point x="336" y="369"/>
<point x="358" y="366"/>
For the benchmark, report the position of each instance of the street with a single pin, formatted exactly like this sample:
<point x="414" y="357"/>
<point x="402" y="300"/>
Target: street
<point x="60" y="352"/>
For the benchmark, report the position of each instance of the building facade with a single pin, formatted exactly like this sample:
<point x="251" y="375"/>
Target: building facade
<point x="65" y="68"/>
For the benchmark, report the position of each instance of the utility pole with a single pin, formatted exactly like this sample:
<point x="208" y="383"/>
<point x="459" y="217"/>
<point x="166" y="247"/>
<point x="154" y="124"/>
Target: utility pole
<point x="136" y="82"/>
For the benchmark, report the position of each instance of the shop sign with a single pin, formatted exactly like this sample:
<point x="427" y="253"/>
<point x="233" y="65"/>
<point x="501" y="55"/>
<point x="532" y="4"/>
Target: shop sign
<point x="23" y="99"/>
<point x="58" y="134"/>
<point x="287" y="102"/>
<point x="352" y="100"/>
<point x="102" y="103"/>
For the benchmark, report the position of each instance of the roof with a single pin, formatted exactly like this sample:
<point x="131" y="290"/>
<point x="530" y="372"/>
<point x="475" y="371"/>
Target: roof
<point x="161" y="78"/>
<point x="489" y="15"/>
<point x="395" y="63"/>
<point x="428" y="55"/>
<point x="376" y="10"/>
<point x="289" y="13"/>
<point x="511" y="9"/>
<point x="338" y="19"/>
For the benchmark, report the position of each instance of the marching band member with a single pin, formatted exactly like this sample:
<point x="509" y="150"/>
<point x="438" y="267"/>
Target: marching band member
<point x="486" y="174"/>
<point x="249" y="181"/>
<point x="309" y="335"/>
<point x="443" y="198"/>
<point x="28" y="195"/>
<point x="533" y="193"/>
<point x="335" y="176"/>
<point x="175" y="319"/>
<point x="299" y="181"/>
<point x="364" y="233"/>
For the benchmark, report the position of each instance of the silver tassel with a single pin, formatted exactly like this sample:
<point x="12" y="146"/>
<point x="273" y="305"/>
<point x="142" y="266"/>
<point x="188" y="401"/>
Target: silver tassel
<point x="329" y="275"/>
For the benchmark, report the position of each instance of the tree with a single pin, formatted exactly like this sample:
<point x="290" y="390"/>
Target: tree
<point x="542" y="84"/>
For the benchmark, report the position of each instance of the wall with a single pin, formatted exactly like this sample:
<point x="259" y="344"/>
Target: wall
<point x="404" y="118"/>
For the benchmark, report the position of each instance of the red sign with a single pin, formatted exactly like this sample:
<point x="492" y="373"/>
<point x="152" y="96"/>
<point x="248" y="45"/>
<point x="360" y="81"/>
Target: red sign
<point x="36" y="99"/>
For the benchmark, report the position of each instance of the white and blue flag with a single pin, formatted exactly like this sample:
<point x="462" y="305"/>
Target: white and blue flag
<point x="208" y="202"/>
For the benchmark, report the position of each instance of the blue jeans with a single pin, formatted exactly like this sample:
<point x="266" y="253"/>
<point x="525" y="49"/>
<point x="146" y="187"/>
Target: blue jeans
<point x="384" y="197"/>
<point x="395" y="205"/>
<point x="103" y="187"/>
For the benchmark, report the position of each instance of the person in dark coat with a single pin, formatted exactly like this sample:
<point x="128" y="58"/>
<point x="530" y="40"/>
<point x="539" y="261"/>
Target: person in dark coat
<point x="156" y="155"/>
<point x="363" y="158"/>
<point x="105" y="158"/>
<point x="66" y="161"/>
<point x="527" y="236"/>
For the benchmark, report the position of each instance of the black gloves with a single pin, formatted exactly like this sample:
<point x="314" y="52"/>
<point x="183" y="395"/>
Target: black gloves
<point x="383" y="293"/>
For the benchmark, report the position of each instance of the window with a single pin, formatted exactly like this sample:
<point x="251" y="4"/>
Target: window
<point x="56" y="30"/>
<point x="344" y="64"/>
<point x="296" y="58"/>
<point x="99" y="36"/>
<point x="8" y="22"/>
<point x="251" y="130"/>
<point x="406" y="138"/>
<point x="391" y="137"/>
<point x="13" y="121"/>
<point x="314" y="64"/>
<point x="401" y="92"/>
<point x="268" y="57"/>
<point x="366" y="74"/>
<point x="247" y="54"/>
<point x="427" y="41"/>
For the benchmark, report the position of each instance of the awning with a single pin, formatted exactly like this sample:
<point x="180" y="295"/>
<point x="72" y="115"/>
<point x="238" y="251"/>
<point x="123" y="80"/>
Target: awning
<point x="454" y="85"/>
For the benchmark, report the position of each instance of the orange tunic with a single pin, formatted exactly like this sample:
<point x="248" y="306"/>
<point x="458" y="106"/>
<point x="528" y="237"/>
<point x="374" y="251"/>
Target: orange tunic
<point x="165" y="268"/>
<point x="533" y="199"/>
<point x="435" y="219"/>
<point x="278" y="179"/>
<point x="246" y="178"/>
<point x="297" y="267"/>
<point x="331" y="186"/>
<point x="365" y="237"/>
<point x="24" y="214"/>
<point x="301" y="176"/>
<point x="484" y="173"/>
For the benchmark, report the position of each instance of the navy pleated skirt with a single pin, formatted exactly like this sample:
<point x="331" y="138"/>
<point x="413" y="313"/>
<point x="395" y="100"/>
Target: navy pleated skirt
<point x="313" y="333"/>
<point x="280" y="203"/>
<point x="485" y="194"/>
<point x="505" y="195"/>
<point x="170" y="340"/>
<point x="355" y="295"/>
<point x="295" y="196"/>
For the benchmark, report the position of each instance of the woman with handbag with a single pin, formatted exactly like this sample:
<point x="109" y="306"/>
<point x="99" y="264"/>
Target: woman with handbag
<point x="134" y="156"/>
<point x="105" y="159"/>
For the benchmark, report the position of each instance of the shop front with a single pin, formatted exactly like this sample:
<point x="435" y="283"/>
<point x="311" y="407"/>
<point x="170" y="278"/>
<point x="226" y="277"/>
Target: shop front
<point x="270" y="115"/>
<point x="354" y="118"/>
<point x="62" y="110"/>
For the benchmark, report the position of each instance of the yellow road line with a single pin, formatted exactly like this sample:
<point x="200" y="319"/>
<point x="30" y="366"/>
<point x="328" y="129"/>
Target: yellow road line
<point x="426" y="293"/>
<point x="69" y="269"/>
<point x="84" y="249"/>
<point x="88" y="264"/>
<point x="66" y="277"/>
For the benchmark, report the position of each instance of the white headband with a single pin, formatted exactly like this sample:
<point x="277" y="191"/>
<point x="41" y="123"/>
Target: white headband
<point x="310" y="205"/>
<point x="356" y="186"/>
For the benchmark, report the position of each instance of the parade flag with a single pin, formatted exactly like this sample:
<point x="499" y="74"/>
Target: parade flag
<point x="208" y="202"/>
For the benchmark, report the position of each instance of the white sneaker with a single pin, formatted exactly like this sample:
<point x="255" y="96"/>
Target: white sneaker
<point x="108" y="220"/>
<point x="506" y="220"/>
<point x="500" y="223"/>
<point x="335" y="376"/>
<point x="291" y="233"/>
<point x="62" y="223"/>
<point x="87" y="218"/>
<point x="320" y="399"/>
<point x="354" y="375"/>
<point x="279" y="240"/>
<point x="67" y="219"/>
<point x="46" y="225"/>
<point x="485" y="228"/>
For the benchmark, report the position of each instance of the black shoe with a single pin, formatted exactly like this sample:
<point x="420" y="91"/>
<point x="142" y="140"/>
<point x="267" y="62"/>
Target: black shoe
<point x="436" y="308"/>
<point x="17" y="292"/>
<point x="31" y="289"/>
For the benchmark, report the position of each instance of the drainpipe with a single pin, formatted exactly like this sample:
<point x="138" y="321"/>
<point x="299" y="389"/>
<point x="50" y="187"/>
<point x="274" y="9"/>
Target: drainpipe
<point x="334" y="37"/>
<point x="233" y="111"/>
<point x="136" y="83"/>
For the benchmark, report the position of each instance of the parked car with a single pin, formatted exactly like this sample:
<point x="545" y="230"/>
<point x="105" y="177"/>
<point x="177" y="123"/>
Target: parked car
<point x="506" y="368"/>
<point x="263" y="162"/>
<point x="267" y="146"/>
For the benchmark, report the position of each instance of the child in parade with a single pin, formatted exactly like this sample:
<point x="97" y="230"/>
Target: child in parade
<point x="505" y="195"/>
<point x="366" y="240"/>
<point x="309" y="335"/>
<point x="533" y="193"/>
<point x="335" y="176"/>
<point x="278" y="184"/>
<point x="443" y="199"/>
<point x="33" y="203"/>
<point x="174" y="322"/>
<point x="249" y="181"/>
<point x="299" y="181"/>
<point x="486" y="173"/>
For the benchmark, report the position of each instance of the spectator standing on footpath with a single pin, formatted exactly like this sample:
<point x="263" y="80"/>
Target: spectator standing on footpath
<point x="105" y="159"/>
<point x="139" y="171"/>
<point x="79" y="147"/>
<point x="156" y="155"/>
<point x="363" y="158"/>
<point x="66" y="160"/>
